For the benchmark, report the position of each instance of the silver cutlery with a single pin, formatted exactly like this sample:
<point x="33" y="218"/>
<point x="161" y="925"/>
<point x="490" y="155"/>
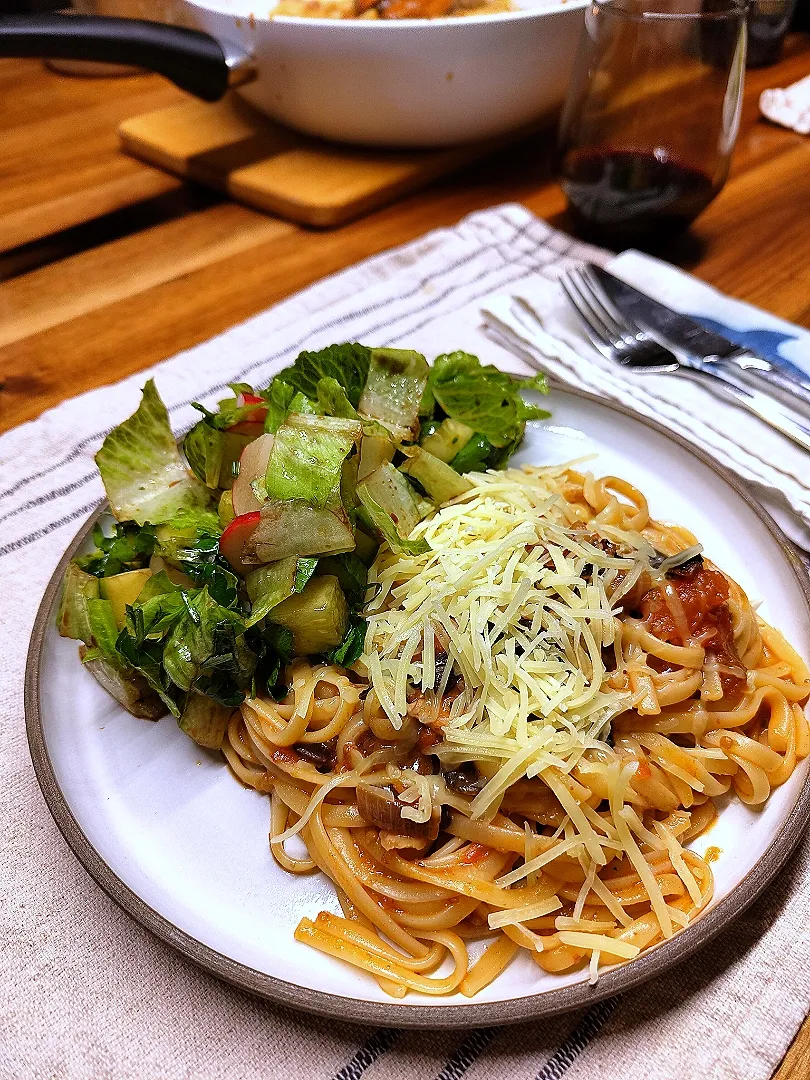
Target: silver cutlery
<point x="684" y="335"/>
<point x="629" y="347"/>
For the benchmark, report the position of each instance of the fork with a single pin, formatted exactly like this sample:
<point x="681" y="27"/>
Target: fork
<point x="622" y="341"/>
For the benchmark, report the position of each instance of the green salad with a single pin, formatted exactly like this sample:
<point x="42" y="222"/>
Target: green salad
<point x="250" y="544"/>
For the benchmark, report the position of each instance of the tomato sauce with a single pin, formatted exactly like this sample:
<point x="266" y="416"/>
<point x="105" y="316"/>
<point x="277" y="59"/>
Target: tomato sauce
<point x="703" y="596"/>
<point x="475" y="853"/>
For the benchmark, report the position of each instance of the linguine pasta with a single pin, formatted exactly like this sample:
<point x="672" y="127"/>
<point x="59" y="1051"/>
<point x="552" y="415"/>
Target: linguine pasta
<point x="550" y="701"/>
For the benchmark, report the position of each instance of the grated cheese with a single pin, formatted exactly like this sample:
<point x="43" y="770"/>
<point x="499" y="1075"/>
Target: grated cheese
<point x="600" y="942"/>
<point x="523" y="914"/>
<point x="525" y="603"/>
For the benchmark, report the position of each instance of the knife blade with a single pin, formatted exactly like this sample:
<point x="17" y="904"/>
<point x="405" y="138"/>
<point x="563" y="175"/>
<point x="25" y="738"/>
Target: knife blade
<point x="684" y="334"/>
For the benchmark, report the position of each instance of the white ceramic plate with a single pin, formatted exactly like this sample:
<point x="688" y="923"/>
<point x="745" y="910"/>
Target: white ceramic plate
<point x="169" y="834"/>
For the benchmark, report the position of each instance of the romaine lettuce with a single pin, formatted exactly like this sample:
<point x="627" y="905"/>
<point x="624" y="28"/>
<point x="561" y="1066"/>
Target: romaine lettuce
<point x="142" y="470"/>
<point x="204" y="447"/>
<point x="269" y="585"/>
<point x="307" y="457"/>
<point x="348" y="364"/>
<point x="73" y="617"/>
<point x="485" y="399"/>
<point x="390" y="507"/>
<point x="394" y="387"/>
<point x="333" y="401"/>
<point x="278" y="397"/>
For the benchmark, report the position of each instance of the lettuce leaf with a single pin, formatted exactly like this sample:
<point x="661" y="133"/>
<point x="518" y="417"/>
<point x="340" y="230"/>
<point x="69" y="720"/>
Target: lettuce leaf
<point x="333" y="400"/>
<point x="142" y="470"/>
<point x="351" y="648"/>
<point x="394" y="388"/>
<point x="204" y="448"/>
<point x="307" y="458"/>
<point x="486" y="399"/>
<point x="348" y="364"/>
<point x="390" y="506"/>
<point x="206" y="650"/>
<point x="278" y="397"/>
<point x="271" y="584"/>
<point x="73" y="617"/>
<point x="103" y="633"/>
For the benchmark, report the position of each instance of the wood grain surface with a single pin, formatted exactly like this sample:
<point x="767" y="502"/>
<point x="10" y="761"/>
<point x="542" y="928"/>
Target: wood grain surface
<point x="108" y="265"/>
<point x="231" y="147"/>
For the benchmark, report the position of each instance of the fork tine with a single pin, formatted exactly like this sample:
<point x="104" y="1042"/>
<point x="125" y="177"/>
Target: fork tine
<point x="579" y="297"/>
<point x="600" y="304"/>
<point x="593" y="332"/>
<point x="625" y="324"/>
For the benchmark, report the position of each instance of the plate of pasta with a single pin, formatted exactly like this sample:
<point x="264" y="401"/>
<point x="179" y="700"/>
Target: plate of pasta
<point x="408" y="695"/>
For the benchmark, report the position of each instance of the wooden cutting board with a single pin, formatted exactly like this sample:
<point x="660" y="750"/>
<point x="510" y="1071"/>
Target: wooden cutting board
<point x="232" y="147"/>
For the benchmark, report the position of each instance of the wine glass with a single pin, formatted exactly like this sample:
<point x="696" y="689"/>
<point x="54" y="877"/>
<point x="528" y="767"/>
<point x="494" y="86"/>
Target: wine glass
<point x="652" y="115"/>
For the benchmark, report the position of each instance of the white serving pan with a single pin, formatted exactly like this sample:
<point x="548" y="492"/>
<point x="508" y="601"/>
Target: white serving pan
<point x="409" y="82"/>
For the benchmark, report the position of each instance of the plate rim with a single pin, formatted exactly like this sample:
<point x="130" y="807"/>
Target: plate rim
<point x="552" y="1002"/>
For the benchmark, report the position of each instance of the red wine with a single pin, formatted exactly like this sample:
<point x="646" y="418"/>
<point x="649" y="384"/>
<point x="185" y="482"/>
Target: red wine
<point x="617" y="196"/>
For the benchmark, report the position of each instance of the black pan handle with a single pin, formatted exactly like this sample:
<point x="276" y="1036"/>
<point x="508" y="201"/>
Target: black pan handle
<point x="192" y="60"/>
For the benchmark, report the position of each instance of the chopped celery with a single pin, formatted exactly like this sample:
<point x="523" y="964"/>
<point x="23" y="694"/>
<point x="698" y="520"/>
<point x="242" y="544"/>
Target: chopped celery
<point x="374" y="451"/>
<point x="233" y="443"/>
<point x="394" y="387"/>
<point x="440" y="480"/>
<point x="225" y="510"/>
<point x="72" y="619"/>
<point x="448" y="439"/>
<point x="316" y="617"/>
<point x="205" y="720"/>
<point x="389" y="488"/>
<point x="269" y="585"/>
<point x="123" y="590"/>
<point x="365" y="547"/>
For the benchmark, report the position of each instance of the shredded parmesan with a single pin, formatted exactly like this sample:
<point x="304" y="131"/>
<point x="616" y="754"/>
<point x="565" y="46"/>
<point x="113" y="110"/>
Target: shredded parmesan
<point x="599" y="942"/>
<point x="523" y="914"/>
<point x="524" y="602"/>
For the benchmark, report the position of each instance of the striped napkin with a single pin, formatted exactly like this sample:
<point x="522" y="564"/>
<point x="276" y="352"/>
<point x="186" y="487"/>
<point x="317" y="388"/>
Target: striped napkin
<point x="85" y="993"/>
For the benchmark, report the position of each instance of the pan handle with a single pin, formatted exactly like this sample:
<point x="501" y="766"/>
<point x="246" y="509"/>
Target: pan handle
<point x="192" y="60"/>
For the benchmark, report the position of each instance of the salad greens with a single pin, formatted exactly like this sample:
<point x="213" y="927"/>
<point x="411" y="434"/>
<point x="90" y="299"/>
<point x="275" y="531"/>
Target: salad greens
<point x="144" y="475"/>
<point x="253" y="545"/>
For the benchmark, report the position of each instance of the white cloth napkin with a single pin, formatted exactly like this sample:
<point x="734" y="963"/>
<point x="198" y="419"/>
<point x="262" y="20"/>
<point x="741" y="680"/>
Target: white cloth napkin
<point x="734" y="437"/>
<point x="789" y="107"/>
<point x="86" y="994"/>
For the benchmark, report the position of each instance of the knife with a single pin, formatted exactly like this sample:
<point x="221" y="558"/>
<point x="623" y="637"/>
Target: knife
<point x="682" y="333"/>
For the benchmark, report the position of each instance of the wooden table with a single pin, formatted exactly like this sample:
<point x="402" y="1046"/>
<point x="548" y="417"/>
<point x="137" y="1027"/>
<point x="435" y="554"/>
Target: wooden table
<point x="108" y="266"/>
